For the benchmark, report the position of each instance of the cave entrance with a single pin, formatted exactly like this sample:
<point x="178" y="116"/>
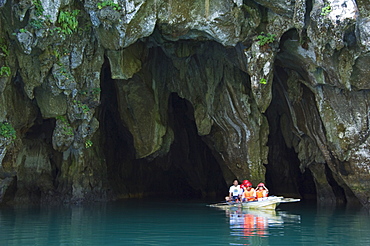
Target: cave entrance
<point x="190" y="153"/>
<point x="188" y="170"/>
<point x="283" y="173"/>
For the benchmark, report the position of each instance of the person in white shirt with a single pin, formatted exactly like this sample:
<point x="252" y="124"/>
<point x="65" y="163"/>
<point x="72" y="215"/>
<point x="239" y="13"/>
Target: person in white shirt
<point x="235" y="192"/>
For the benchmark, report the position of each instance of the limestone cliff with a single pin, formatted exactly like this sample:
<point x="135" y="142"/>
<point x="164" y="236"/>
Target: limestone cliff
<point x="102" y="99"/>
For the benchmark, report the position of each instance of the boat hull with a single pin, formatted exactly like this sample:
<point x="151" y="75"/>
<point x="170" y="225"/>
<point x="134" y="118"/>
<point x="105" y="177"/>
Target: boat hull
<point x="269" y="203"/>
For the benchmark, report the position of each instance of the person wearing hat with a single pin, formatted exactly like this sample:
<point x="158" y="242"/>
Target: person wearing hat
<point x="249" y="193"/>
<point x="262" y="191"/>
<point x="245" y="182"/>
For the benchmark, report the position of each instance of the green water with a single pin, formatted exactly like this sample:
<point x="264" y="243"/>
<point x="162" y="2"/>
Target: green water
<point x="143" y="222"/>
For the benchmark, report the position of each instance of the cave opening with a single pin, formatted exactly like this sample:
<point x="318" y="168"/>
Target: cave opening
<point x="283" y="173"/>
<point x="297" y="165"/>
<point x="191" y="154"/>
<point x="188" y="170"/>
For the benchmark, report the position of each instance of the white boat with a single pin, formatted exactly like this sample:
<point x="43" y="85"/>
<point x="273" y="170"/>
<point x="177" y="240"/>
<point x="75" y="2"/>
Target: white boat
<point x="263" y="203"/>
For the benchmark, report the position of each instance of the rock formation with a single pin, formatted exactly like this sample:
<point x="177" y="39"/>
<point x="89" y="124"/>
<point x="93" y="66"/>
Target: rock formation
<point x="103" y="99"/>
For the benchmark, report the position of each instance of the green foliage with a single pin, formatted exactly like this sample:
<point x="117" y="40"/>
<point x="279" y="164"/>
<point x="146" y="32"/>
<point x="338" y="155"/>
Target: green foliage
<point x="22" y="30"/>
<point x="265" y="38"/>
<point x="37" y="23"/>
<point x="39" y="10"/>
<point x="4" y="52"/>
<point x="62" y="118"/>
<point x="67" y="128"/>
<point x="83" y="92"/>
<point x="91" y="92"/>
<point x="68" y="22"/>
<point x="85" y="108"/>
<point x="108" y="3"/>
<point x="82" y="106"/>
<point x="7" y="131"/>
<point x="96" y="91"/>
<point x="68" y="131"/>
<point x="3" y="47"/>
<point x="88" y="144"/>
<point x="56" y="54"/>
<point x="263" y="81"/>
<point x="5" y="71"/>
<point x="326" y="10"/>
<point x="55" y="30"/>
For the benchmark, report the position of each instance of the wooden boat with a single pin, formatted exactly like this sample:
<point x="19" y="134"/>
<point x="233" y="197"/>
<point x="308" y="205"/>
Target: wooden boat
<point x="269" y="203"/>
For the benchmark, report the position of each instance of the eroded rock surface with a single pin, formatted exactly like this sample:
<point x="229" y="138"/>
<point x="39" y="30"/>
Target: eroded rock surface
<point x="92" y="90"/>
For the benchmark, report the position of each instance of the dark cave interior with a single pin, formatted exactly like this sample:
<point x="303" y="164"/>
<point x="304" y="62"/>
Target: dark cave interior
<point x="283" y="174"/>
<point x="190" y="169"/>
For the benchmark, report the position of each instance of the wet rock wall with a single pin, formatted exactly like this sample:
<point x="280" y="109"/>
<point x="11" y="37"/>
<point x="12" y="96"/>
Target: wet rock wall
<point x="268" y="91"/>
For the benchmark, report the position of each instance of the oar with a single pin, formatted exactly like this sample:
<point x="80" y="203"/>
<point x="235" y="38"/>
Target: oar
<point x="286" y="200"/>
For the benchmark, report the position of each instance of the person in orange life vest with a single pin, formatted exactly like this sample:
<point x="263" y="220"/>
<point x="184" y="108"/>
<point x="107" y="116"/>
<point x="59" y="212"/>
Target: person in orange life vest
<point x="262" y="191"/>
<point x="249" y="193"/>
<point x="234" y="192"/>
<point x="244" y="185"/>
<point x="245" y="182"/>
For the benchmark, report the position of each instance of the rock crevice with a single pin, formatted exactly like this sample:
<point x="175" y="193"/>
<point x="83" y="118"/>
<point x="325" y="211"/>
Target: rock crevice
<point x="101" y="101"/>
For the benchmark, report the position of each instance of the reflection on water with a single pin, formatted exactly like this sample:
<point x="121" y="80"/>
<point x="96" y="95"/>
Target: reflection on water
<point x="145" y="222"/>
<point x="300" y="225"/>
<point x="251" y="227"/>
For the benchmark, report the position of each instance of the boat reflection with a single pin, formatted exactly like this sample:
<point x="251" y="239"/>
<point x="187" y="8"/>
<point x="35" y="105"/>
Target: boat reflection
<point x="251" y="227"/>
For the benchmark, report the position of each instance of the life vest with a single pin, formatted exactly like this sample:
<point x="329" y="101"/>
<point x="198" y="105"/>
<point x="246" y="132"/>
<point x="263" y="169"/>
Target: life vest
<point x="261" y="194"/>
<point x="249" y="195"/>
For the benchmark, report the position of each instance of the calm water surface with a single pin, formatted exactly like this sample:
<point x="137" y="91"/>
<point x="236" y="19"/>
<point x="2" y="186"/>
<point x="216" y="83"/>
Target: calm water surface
<point x="144" y="222"/>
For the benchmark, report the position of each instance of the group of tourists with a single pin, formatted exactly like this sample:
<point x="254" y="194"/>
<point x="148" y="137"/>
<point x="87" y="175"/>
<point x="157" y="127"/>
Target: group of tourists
<point x="245" y="192"/>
